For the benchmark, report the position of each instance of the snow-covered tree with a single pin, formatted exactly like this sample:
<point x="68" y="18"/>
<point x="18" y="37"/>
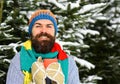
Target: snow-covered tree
<point x="83" y="27"/>
<point x="104" y="49"/>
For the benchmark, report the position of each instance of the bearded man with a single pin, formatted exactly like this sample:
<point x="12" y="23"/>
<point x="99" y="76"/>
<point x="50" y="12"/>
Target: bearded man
<point x="41" y="60"/>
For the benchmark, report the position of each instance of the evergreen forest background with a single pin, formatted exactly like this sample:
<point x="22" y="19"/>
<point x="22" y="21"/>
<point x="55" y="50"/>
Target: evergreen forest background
<point x="88" y="30"/>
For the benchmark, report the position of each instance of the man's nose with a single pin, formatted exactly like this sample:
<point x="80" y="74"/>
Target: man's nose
<point x="43" y="29"/>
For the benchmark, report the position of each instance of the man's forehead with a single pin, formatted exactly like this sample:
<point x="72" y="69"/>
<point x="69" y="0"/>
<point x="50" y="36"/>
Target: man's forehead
<point x="44" y="21"/>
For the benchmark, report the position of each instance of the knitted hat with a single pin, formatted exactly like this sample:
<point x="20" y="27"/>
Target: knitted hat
<point x="42" y="14"/>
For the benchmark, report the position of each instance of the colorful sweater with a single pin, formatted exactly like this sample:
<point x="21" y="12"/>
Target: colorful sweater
<point x="15" y="75"/>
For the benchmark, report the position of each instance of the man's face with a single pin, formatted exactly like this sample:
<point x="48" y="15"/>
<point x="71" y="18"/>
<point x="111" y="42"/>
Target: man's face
<point x="43" y="36"/>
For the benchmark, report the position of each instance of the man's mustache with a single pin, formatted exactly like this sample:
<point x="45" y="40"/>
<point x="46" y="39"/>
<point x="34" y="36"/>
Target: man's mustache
<point x="43" y="34"/>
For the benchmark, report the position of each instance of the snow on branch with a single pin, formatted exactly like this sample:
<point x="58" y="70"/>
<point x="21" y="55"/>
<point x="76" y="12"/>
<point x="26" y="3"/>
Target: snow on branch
<point x="71" y="44"/>
<point x="1" y="57"/>
<point x="57" y="4"/>
<point x="88" y="31"/>
<point x="14" y="45"/>
<point x="84" y="63"/>
<point x="90" y="7"/>
<point x="64" y="6"/>
<point x="2" y="73"/>
<point x="91" y="78"/>
<point x="6" y="60"/>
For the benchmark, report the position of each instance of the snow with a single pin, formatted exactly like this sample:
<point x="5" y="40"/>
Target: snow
<point x="85" y="63"/>
<point x="115" y="20"/>
<point x="88" y="31"/>
<point x="25" y="28"/>
<point x="29" y="14"/>
<point x="90" y="20"/>
<point x="9" y="18"/>
<point x="6" y="60"/>
<point x="62" y="0"/>
<point x="65" y="6"/>
<point x="7" y="35"/>
<point x="103" y="38"/>
<point x="23" y="12"/>
<point x="2" y="24"/>
<point x="57" y="4"/>
<point x="2" y="73"/>
<point x="90" y="7"/>
<point x="9" y="1"/>
<point x="15" y="45"/>
<point x="1" y="57"/>
<point x="91" y="78"/>
<point x="101" y="18"/>
<point x="4" y="47"/>
<point x="80" y="33"/>
<point x="71" y="44"/>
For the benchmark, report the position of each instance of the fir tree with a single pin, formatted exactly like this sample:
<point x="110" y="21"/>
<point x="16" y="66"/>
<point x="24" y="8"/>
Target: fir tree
<point x="81" y="31"/>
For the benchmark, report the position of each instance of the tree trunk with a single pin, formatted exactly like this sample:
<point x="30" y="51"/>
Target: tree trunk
<point x="1" y="7"/>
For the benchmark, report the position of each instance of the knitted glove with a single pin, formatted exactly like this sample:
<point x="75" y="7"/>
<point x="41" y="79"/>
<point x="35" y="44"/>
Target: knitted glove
<point x="38" y="72"/>
<point x="53" y="71"/>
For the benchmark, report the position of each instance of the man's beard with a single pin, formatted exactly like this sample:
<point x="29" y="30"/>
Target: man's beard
<point x="43" y="46"/>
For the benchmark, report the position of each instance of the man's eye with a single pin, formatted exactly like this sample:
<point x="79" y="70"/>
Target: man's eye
<point x="49" y="26"/>
<point x="37" y="26"/>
